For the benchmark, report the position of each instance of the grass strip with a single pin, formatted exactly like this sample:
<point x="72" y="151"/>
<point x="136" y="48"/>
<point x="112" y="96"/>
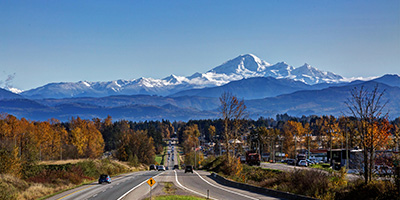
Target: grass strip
<point x="175" y="197"/>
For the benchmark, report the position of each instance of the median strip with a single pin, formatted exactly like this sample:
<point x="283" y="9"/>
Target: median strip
<point x="180" y="185"/>
<point x="222" y="188"/>
<point x="137" y="186"/>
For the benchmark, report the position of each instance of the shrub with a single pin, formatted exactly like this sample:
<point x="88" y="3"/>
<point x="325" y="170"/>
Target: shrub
<point x="88" y="168"/>
<point x="372" y="190"/>
<point x="10" y="186"/>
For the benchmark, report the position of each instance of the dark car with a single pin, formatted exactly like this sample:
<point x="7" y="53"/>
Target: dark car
<point x="291" y="162"/>
<point x="188" y="168"/>
<point x="152" y="167"/>
<point x="104" y="178"/>
<point x="176" y="166"/>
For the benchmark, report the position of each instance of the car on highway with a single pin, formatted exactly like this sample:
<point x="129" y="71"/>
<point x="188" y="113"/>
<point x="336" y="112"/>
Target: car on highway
<point x="152" y="167"/>
<point x="189" y="168"/>
<point x="161" y="168"/>
<point x="176" y="166"/>
<point x="104" y="178"/>
<point x="303" y="163"/>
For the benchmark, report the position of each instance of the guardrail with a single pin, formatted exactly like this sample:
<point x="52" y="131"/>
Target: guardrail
<point x="260" y="190"/>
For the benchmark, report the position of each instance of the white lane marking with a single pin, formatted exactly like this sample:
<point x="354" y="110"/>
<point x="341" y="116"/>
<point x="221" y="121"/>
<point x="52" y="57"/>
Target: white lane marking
<point x="137" y="186"/>
<point x="176" y="179"/>
<point x="219" y="187"/>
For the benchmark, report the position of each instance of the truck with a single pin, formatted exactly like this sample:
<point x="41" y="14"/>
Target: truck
<point x="253" y="158"/>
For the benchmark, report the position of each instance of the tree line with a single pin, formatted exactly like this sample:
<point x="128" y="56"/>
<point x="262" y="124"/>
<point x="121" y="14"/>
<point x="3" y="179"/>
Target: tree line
<point x="23" y="142"/>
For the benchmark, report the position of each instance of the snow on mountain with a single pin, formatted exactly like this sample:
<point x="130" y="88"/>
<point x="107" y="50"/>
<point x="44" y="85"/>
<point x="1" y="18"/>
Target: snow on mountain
<point x="247" y="66"/>
<point x="14" y="90"/>
<point x="243" y="66"/>
<point x="311" y="75"/>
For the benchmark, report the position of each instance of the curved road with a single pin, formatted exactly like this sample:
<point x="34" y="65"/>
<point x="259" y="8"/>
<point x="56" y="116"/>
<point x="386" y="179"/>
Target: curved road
<point x="134" y="186"/>
<point x="119" y="186"/>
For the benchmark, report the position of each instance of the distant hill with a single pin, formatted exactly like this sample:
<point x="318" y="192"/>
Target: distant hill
<point x="5" y="94"/>
<point x="389" y="79"/>
<point x="250" y="88"/>
<point x="328" y="101"/>
<point x="300" y="99"/>
<point x="200" y="103"/>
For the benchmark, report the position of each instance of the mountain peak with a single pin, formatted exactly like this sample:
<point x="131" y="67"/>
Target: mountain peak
<point x="241" y="64"/>
<point x="306" y="65"/>
<point x="173" y="79"/>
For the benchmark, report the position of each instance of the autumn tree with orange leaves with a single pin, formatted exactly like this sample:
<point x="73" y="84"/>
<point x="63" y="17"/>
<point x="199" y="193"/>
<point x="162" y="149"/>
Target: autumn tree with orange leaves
<point x="86" y="138"/>
<point x="293" y="132"/>
<point x="373" y="126"/>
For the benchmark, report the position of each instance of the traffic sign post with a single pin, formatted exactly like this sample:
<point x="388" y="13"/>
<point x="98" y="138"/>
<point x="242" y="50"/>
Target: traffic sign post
<point x="151" y="182"/>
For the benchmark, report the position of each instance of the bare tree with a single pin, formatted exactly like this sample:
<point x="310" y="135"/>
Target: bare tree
<point x="367" y="107"/>
<point x="233" y="115"/>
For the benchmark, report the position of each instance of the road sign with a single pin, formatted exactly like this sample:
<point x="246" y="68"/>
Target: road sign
<point x="151" y="182"/>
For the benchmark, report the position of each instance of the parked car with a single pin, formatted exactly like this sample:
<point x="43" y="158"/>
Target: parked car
<point x="310" y="162"/>
<point x="291" y="161"/>
<point x="303" y="163"/>
<point x="189" y="168"/>
<point x="152" y="167"/>
<point x="161" y="168"/>
<point x="242" y="159"/>
<point x="104" y="178"/>
<point x="265" y="157"/>
<point x="176" y="166"/>
<point x="383" y="170"/>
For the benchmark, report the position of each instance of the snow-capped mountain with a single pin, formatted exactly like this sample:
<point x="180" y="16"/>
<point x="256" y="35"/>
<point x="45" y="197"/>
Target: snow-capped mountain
<point x="13" y="90"/>
<point x="243" y="66"/>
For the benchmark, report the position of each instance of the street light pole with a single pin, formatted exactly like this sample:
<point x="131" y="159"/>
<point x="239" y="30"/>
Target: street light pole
<point x="347" y="147"/>
<point x="309" y="135"/>
<point x="295" y="146"/>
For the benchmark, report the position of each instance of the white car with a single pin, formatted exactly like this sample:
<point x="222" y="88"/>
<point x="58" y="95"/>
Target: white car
<point x="161" y="168"/>
<point x="303" y="163"/>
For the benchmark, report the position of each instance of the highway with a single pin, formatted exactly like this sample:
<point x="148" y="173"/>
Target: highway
<point x="133" y="186"/>
<point x="119" y="186"/>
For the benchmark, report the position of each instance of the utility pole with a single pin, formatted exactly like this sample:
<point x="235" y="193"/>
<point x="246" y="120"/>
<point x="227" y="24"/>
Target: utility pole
<point x="308" y="154"/>
<point x="281" y="147"/>
<point x="347" y="146"/>
<point x="295" y="146"/>
<point x="330" y="147"/>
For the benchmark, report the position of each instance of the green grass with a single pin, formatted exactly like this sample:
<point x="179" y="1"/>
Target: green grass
<point x="324" y="167"/>
<point x="175" y="197"/>
<point x="169" y="188"/>
<point x="158" y="158"/>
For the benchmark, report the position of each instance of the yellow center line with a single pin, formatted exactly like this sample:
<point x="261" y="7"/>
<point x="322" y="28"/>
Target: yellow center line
<point x="75" y="192"/>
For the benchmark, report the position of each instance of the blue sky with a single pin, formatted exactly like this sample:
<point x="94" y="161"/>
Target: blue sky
<point x="62" y="41"/>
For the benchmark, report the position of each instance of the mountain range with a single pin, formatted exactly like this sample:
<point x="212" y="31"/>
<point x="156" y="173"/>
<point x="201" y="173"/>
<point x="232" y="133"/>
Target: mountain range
<point x="244" y="66"/>
<point x="267" y="90"/>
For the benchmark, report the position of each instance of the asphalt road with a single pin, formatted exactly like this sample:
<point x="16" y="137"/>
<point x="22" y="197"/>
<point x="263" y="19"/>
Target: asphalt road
<point x="201" y="184"/>
<point x="120" y="185"/>
<point x="133" y="186"/>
